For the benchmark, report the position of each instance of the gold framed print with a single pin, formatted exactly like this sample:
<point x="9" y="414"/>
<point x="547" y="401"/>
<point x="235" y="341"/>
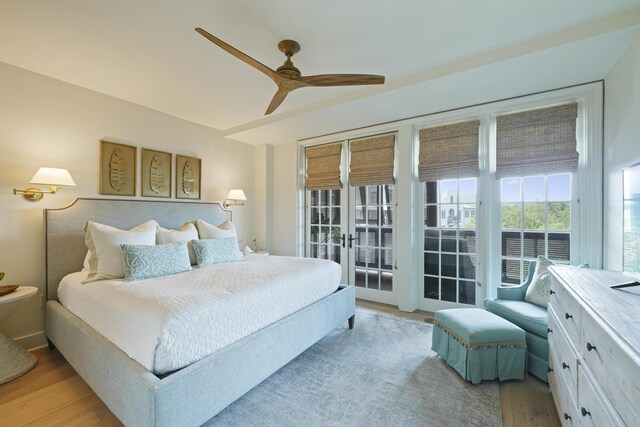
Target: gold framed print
<point x="117" y="169"/>
<point x="187" y="177"/>
<point x="156" y="173"/>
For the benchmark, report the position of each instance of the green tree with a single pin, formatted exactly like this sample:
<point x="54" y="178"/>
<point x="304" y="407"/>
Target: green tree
<point x="534" y="216"/>
<point x="511" y="216"/>
<point x="559" y="216"/>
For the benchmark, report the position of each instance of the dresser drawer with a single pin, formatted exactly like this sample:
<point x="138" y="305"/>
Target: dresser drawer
<point x="567" y="308"/>
<point x="564" y="358"/>
<point x="615" y="367"/>
<point x="567" y="411"/>
<point x="593" y="408"/>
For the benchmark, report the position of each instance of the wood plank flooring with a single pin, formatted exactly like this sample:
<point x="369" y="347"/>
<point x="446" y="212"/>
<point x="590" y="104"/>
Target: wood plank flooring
<point x="52" y="394"/>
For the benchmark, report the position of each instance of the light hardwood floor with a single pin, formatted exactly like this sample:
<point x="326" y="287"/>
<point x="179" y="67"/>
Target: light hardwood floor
<point x="52" y="394"/>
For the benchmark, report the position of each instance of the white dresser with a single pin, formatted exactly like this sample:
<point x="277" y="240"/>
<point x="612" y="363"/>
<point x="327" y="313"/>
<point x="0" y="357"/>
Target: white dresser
<point x="594" y="348"/>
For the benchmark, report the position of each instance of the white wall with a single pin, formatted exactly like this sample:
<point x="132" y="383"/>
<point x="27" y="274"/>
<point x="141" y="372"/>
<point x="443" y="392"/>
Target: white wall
<point x="45" y="122"/>
<point x="263" y="204"/>
<point x="285" y="190"/>
<point x="621" y="145"/>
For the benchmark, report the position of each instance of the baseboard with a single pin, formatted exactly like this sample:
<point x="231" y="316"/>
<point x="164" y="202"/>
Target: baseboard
<point x="32" y="341"/>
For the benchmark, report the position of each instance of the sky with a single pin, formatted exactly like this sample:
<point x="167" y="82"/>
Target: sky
<point x="558" y="188"/>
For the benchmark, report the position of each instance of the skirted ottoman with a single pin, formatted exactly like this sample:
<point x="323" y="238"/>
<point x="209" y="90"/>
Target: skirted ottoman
<point x="480" y="345"/>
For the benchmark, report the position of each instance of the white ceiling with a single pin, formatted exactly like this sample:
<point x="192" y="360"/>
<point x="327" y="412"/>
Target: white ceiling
<point x="436" y="54"/>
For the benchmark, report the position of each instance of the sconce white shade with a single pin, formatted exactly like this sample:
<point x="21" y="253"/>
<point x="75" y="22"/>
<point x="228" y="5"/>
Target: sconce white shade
<point x="236" y="194"/>
<point x="53" y="176"/>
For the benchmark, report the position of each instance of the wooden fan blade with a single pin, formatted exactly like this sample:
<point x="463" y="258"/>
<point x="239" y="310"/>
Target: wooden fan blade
<point x="240" y="55"/>
<point x="280" y="95"/>
<point x="341" y="79"/>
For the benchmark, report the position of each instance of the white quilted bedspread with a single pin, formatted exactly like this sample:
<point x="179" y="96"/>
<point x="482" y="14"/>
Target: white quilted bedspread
<point x="167" y="323"/>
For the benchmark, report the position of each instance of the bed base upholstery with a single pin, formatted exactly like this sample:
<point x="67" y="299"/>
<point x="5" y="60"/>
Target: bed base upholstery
<point x="194" y="394"/>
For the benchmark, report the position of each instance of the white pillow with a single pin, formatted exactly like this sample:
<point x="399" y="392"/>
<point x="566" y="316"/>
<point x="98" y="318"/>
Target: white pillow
<point x="103" y="242"/>
<point x="85" y="264"/>
<point x="538" y="291"/>
<point x="223" y="231"/>
<point x="187" y="233"/>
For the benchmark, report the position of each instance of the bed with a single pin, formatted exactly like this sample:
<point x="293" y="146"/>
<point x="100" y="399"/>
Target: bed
<point x="193" y="394"/>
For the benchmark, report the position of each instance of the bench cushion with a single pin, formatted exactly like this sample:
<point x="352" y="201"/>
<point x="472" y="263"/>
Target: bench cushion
<point x="475" y="325"/>
<point x="480" y="345"/>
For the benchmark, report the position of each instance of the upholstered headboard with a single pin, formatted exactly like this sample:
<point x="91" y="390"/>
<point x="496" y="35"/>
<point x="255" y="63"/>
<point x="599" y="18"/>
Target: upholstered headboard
<point x="64" y="235"/>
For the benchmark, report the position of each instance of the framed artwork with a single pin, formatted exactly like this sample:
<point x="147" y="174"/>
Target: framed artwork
<point x="156" y="173"/>
<point x="117" y="169"/>
<point x="187" y="177"/>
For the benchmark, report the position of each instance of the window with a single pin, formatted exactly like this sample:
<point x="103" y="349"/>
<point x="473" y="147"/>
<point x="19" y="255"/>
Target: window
<point x="535" y="220"/>
<point x="631" y="200"/>
<point x="324" y="224"/>
<point x="450" y="240"/>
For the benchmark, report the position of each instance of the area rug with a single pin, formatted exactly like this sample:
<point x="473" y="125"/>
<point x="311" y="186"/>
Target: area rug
<point x="381" y="373"/>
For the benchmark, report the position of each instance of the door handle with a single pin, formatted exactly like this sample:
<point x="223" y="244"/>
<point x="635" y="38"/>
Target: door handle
<point x="343" y="240"/>
<point x="351" y="239"/>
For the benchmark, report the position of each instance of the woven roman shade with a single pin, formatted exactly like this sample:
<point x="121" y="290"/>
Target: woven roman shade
<point x="449" y="151"/>
<point x="372" y="160"/>
<point x="537" y="142"/>
<point x="323" y="167"/>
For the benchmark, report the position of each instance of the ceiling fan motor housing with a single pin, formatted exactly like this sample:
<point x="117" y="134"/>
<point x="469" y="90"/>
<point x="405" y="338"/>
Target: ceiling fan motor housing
<point x="289" y="48"/>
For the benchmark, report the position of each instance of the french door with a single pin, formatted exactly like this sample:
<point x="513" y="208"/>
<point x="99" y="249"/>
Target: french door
<point x="354" y="226"/>
<point x="371" y="242"/>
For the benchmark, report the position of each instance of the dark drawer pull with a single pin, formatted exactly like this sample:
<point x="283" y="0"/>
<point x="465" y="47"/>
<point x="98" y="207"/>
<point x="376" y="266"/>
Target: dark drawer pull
<point x="549" y="330"/>
<point x="551" y="292"/>
<point x="568" y="316"/>
<point x="585" y="412"/>
<point x="565" y="366"/>
<point x="549" y="369"/>
<point x="566" y="416"/>
<point x="590" y="347"/>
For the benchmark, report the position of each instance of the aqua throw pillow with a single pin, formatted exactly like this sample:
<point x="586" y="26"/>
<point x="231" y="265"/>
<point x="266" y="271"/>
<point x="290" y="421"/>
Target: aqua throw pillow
<point x="147" y="261"/>
<point x="216" y="251"/>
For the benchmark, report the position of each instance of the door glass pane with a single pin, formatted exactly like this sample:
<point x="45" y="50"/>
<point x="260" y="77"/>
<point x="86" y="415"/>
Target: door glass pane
<point x="510" y="191"/>
<point x="533" y="189"/>
<point x="450" y="240"/>
<point x="361" y="277"/>
<point x="324" y="231"/>
<point x="559" y="216"/>
<point x="431" y="287"/>
<point x="374" y="234"/>
<point x="534" y="216"/>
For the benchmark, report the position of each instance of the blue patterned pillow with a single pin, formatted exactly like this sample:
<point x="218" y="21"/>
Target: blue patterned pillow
<point x="216" y="251"/>
<point x="146" y="261"/>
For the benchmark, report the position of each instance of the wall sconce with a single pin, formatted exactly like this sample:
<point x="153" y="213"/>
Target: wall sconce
<point x="235" y="196"/>
<point x="53" y="177"/>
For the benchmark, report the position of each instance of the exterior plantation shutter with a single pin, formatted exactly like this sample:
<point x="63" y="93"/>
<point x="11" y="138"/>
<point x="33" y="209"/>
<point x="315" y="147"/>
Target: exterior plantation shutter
<point x="449" y="151"/>
<point x="372" y="160"/>
<point x="323" y="167"/>
<point x="537" y="142"/>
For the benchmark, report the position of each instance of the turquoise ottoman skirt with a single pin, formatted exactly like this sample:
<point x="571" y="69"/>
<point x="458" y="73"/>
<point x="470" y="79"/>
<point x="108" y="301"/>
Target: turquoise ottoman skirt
<point x="480" y="345"/>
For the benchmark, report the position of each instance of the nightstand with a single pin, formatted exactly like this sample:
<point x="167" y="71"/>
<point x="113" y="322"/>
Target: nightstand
<point x="14" y="360"/>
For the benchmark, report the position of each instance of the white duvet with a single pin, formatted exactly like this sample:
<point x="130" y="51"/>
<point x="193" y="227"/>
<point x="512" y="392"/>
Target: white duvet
<point x="167" y="323"/>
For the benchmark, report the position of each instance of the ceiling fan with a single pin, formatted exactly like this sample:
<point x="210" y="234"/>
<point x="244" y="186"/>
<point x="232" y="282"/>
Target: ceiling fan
<point x="288" y="77"/>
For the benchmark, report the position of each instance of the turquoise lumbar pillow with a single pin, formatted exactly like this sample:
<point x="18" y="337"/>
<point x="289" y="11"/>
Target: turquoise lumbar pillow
<point x="146" y="261"/>
<point x="216" y="251"/>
